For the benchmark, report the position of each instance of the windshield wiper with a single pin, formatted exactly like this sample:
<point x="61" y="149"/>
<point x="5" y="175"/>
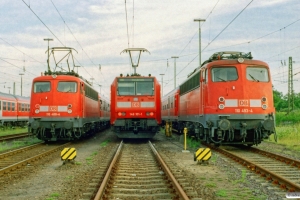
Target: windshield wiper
<point x="253" y="78"/>
<point x="221" y="79"/>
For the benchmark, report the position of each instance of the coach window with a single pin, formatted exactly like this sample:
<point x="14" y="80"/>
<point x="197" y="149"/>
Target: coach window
<point x="4" y="105"/>
<point x="223" y="74"/>
<point x="12" y="106"/>
<point x="257" y="74"/>
<point x="8" y="106"/>
<point x="39" y="87"/>
<point x="67" y="87"/>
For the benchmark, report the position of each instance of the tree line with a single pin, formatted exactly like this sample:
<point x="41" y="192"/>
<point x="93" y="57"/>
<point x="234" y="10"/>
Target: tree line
<point x="281" y="102"/>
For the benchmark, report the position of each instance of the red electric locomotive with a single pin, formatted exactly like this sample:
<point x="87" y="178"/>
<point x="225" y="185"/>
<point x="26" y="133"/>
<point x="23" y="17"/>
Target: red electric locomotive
<point x="135" y="106"/>
<point x="66" y="107"/>
<point x="135" y="103"/>
<point x="14" y="110"/>
<point x="228" y="100"/>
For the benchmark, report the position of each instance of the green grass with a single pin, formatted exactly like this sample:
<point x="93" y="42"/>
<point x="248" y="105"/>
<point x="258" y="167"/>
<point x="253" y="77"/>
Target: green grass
<point x="221" y="193"/>
<point x="192" y="143"/>
<point x="103" y="144"/>
<point x="18" y="143"/>
<point x="288" y="135"/>
<point x="211" y="185"/>
<point x="11" y="131"/>
<point x="53" y="196"/>
<point x="282" y="118"/>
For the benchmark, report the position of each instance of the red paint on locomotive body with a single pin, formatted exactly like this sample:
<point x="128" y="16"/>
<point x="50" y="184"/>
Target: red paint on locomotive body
<point x="14" y="110"/>
<point x="227" y="100"/>
<point x="65" y="107"/>
<point x="135" y="106"/>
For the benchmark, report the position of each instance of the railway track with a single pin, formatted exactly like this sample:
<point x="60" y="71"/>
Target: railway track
<point x="279" y="170"/>
<point x="137" y="171"/>
<point x="22" y="157"/>
<point x="14" y="136"/>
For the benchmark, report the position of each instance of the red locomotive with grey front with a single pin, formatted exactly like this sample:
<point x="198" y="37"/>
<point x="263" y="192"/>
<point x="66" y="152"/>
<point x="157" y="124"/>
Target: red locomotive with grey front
<point x="135" y="106"/>
<point x="66" y="107"/>
<point x="228" y="100"/>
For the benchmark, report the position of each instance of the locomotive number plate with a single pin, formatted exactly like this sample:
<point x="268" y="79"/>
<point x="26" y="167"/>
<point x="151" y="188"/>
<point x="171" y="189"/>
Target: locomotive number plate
<point x="135" y="104"/>
<point x="243" y="102"/>
<point x="53" y="108"/>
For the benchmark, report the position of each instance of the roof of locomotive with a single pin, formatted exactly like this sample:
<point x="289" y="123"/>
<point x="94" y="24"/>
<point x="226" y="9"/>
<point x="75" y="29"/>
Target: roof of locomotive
<point x="132" y="76"/>
<point x="62" y="76"/>
<point x="229" y="57"/>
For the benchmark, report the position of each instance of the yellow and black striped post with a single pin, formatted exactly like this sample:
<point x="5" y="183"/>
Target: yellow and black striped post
<point x="202" y="154"/>
<point x="68" y="154"/>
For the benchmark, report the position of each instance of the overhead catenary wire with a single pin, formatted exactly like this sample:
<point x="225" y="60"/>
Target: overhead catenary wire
<point x="42" y="22"/>
<point x="227" y="25"/>
<point x="76" y="41"/>
<point x="127" y="25"/>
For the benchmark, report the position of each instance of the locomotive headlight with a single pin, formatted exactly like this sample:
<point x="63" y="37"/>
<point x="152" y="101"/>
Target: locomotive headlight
<point x="69" y="111"/>
<point x="264" y="106"/>
<point x="263" y="99"/>
<point x="221" y="99"/>
<point x="121" y="113"/>
<point x="149" y="113"/>
<point x="221" y="106"/>
<point x="37" y="111"/>
<point x="69" y="105"/>
<point x="37" y="106"/>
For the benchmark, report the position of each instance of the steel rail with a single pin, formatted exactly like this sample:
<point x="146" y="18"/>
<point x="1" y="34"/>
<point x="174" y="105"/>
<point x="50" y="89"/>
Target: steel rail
<point x="14" y="136"/>
<point x="175" y="183"/>
<point x="108" y="173"/>
<point x="9" y="153"/>
<point x="284" y="159"/>
<point x="277" y="179"/>
<point x="26" y="161"/>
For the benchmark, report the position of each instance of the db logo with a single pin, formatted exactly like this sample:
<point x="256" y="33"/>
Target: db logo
<point x="135" y="104"/>
<point x="53" y="108"/>
<point x="243" y="102"/>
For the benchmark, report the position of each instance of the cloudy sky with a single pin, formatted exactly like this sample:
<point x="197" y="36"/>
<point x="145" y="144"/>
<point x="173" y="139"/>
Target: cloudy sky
<point x="100" y="30"/>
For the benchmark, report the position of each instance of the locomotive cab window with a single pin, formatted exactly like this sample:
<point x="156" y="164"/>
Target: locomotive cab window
<point x="39" y="87"/>
<point x="126" y="88"/>
<point x="67" y="87"/>
<point x="257" y="74"/>
<point x="144" y="88"/>
<point x="223" y="74"/>
<point x="135" y="87"/>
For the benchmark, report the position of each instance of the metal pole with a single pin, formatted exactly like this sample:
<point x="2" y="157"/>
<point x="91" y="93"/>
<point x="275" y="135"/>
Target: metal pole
<point x="48" y="39"/>
<point x="162" y="86"/>
<point x="100" y="87"/>
<point x="174" y="70"/>
<point x="199" y="20"/>
<point x="21" y="83"/>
